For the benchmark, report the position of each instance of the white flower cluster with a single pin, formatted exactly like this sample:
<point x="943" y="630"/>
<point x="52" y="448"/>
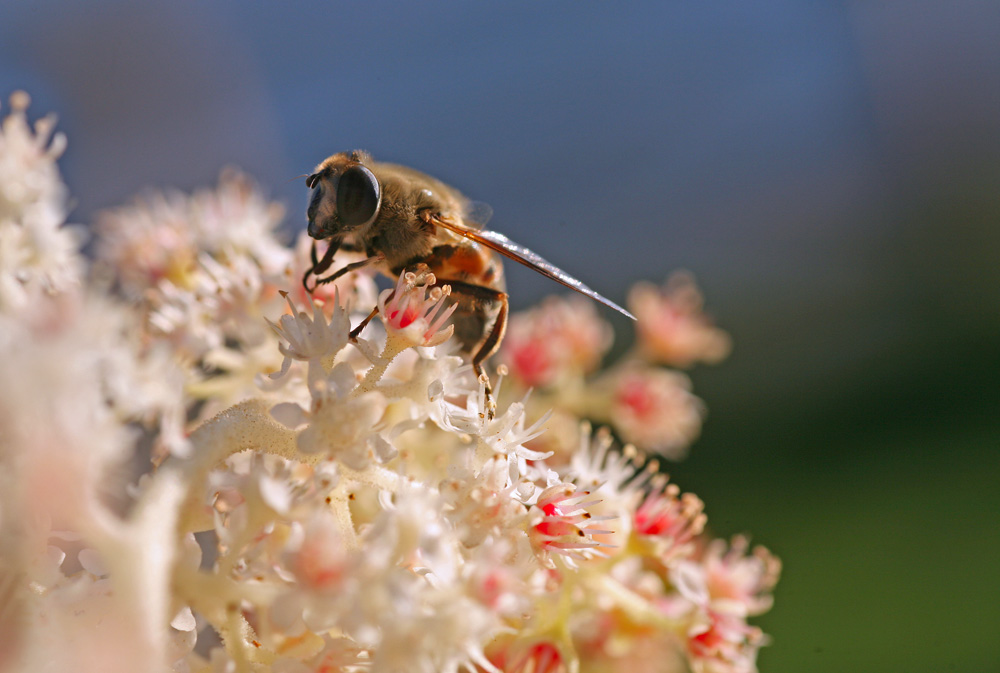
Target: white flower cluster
<point x="318" y="503"/>
<point x="37" y="253"/>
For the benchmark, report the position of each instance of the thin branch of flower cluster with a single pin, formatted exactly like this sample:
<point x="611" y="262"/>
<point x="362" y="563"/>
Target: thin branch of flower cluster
<point x="323" y="504"/>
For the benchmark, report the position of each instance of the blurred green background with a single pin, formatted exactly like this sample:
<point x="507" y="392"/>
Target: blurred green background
<point x="830" y="171"/>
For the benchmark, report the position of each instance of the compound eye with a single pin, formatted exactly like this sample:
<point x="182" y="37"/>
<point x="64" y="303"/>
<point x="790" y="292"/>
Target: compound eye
<point x="311" y="180"/>
<point x="358" y="196"/>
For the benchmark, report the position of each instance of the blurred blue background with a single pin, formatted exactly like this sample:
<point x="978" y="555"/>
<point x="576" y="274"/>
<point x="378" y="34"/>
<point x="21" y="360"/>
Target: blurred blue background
<point x="830" y="171"/>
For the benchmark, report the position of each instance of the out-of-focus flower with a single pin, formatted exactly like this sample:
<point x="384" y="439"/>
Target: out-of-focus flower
<point x="669" y="520"/>
<point x="537" y="657"/>
<point x="320" y="561"/>
<point x="745" y="580"/>
<point x="421" y="536"/>
<point x="722" y="591"/>
<point x="161" y="236"/>
<point x="149" y="241"/>
<point x="501" y="575"/>
<point x="655" y="410"/>
<point x="37" y="253"/>
<point x="335" y="654"/>
<point x="671" y="326"/>
<point x="561" y="338"/>
<point x="556" y="347"/>
<point x="223" y="303"/>
<point x="635" y="651"/>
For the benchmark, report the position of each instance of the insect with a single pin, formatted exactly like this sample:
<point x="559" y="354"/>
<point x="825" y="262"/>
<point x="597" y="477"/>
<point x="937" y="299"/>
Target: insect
<point x="401" y="218"/>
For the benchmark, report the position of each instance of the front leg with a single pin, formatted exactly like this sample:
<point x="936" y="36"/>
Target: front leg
<point x="322" y="265"/>
<point x="353" y="266"/>
<point x="319" y="265"/>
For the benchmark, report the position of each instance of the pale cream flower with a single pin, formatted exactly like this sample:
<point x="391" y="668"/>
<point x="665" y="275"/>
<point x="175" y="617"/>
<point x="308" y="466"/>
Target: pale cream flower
<point x="484" y="504"/>
<point x="560" y="339"/>
<point x="672" y="328"/>
<point x="655" y="410"/>
<point x="38" y="254"/>
<point x="161" y="236"/>
<point x="310" y="339"/>
<point x="722" y="590"/>
<point x="339" y="423"/>
<point x="741" y="578"/>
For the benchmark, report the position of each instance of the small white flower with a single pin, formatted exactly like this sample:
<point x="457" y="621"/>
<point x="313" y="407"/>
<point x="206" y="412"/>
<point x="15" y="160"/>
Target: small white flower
<point x="594" y="465"/>
<point x="422" y="536"/>
<point x="482" y="505"/>
<point x="504" y="434"/>
<point x="340" y="423"/>
<point x="431" y="379"/>
<point x="415" y="313"/>
<point x="310" y="339"/>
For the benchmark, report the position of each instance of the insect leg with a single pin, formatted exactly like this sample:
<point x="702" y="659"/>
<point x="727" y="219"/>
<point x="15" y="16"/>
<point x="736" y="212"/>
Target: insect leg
<point x="420" y="270"/>
<point x="364" y="323"/>
<point x="493" y="339"/>
<point x="353" y="266"/>
<point x="319" y="266"/>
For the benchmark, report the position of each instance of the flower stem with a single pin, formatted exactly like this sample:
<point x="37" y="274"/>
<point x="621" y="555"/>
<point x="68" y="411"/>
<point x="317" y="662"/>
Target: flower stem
<point x="394" y="345"/>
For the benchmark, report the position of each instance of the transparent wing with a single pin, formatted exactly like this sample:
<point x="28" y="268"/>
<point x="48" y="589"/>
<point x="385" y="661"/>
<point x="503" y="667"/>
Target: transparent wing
<point x="523" y="255"/>
<point x="477" y="215"/>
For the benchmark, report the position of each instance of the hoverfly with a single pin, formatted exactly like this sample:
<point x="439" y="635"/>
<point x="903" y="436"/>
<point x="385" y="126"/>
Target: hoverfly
<point x="401" y="218"/>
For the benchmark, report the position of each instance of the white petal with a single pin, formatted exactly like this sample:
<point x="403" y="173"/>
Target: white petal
<point x="435" y="390"/>
<point x="689" y="578"/>
<point x="342" y="379"/>
<point x="92" y="562"/>
<point x="384" y="451"/>
<point x="275" y="494"/>
<point x="184" y="620"/>
<point x="289" y="414"/>
<point x="56" y="555"/>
